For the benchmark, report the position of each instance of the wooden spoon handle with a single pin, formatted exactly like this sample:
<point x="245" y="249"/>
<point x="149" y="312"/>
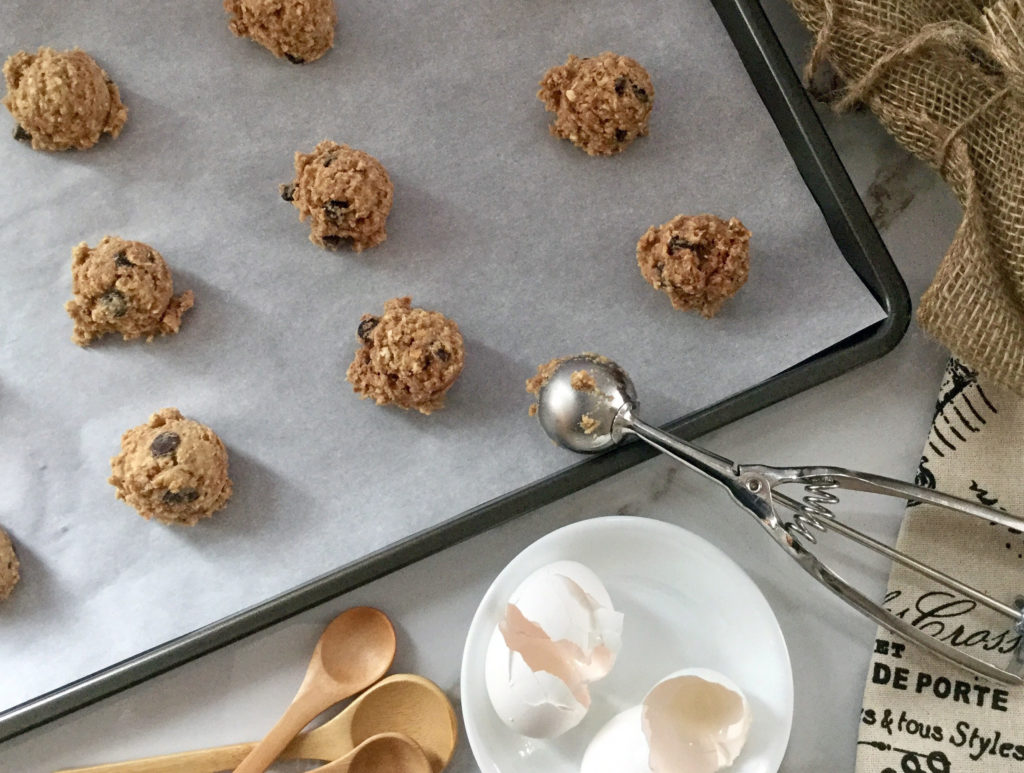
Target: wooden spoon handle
<point x="200" y="761"/>
<point x="302" y="711"/>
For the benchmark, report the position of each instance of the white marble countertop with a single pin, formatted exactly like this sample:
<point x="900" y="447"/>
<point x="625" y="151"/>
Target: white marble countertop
<point x="874" y="418"/>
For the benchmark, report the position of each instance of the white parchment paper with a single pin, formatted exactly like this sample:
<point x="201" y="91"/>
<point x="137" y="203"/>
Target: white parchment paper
<point x="523" y="239"/>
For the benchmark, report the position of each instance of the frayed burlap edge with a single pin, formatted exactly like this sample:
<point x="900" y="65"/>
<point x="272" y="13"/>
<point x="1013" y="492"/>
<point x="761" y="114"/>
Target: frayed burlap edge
<point x="946" y="78"/>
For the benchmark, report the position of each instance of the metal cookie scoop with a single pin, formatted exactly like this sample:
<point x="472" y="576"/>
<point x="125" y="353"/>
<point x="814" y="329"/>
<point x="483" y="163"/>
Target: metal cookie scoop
<point x="593" y="417"/>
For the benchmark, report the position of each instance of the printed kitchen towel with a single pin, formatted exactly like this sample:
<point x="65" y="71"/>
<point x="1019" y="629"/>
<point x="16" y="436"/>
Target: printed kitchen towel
<point x="921" y="714"/>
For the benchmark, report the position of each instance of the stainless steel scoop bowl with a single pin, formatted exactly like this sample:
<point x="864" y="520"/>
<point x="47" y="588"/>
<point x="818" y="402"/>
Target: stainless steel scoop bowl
<point x="561" y="408"/>
<point x="597" y="417"/>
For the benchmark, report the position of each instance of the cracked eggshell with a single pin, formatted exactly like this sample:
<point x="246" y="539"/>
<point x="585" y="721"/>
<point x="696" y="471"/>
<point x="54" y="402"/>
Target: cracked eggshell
<point x="693" y="721"/>
<point x="696" y="721"/>
<point x="570" y="603"/>
<point x="548" y="600"/>
<point x="534" y="704"/>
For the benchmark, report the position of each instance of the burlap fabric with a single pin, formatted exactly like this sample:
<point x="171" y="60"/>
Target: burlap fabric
<point x="921" y="714"/>
<point x="946" y="78"/>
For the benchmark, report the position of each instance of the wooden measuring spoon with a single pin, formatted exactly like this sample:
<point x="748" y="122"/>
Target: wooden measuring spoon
<point x="354" y="651"/>
<point x="403" y="703"/>
<point x="383" y="753"/>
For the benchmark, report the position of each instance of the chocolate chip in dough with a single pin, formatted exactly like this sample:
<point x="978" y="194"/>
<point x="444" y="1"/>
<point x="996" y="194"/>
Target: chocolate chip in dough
<point x="366" y="326"/>
<point x="287" y="191"/>
<point x="121" y="259"/>
<point x="20" y="134"/>
<point x="114" y="303"/>
<point x="165" y="444"/>
<point x="620" y="135"/>
<point x="679" y="243"/>
<point x="180" y="497"/>
<point x="294" y="59"/>
<point x="335" y="208"/>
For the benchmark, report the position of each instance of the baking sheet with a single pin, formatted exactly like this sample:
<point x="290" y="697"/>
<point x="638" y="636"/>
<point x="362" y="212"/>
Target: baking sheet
<point x="523" y="239"/>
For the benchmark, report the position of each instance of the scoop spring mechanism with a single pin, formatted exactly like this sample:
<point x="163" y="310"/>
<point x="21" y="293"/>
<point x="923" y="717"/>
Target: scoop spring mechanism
<point x="599" y="416"/>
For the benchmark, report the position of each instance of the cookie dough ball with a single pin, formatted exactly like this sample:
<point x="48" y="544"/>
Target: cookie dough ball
<point x="9" y="575"/>
<point x="601" y="103"/>
<point x="699" y="261"/>
<point x="123" y="287"/>
<point x="298" y="30"/>
<point x="409" y="357"/>
<point x="345" y="194"/>
<point x="61" y="99"/>
<point x="172" y="469"/>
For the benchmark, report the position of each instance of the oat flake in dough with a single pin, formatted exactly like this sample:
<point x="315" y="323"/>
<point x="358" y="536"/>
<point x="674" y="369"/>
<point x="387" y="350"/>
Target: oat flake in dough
<point x="172" y="468"/>
<point x="61" y="99"/>
<point x="409" y="357"/>
<point x="125" y="287"/>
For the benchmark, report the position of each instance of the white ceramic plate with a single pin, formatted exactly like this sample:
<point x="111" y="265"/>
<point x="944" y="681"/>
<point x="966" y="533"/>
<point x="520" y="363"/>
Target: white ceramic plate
<point x="685" y="604"/>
